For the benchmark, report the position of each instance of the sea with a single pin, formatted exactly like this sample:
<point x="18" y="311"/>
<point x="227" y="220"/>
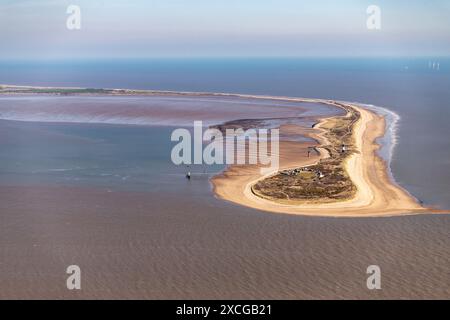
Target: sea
<point x="101" y="191"/>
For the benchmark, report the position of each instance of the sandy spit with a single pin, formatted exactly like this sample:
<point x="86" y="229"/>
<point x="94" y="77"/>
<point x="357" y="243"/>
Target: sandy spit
<point x="376" y="194"/>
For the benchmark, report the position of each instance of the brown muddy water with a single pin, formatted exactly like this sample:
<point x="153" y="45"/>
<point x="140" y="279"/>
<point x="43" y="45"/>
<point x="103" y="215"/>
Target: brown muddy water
<point x="106" y="197"/>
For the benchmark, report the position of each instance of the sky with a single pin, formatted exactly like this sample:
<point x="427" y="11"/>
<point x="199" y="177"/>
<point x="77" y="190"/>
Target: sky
<point x="223" y="28"/>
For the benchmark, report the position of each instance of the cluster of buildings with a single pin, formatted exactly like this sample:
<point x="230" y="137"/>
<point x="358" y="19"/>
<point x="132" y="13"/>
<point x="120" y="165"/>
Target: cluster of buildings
<point x="297" y="171"/>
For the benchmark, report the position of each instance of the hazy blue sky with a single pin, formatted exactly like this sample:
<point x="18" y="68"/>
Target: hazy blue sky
<point x="148" y="28"/>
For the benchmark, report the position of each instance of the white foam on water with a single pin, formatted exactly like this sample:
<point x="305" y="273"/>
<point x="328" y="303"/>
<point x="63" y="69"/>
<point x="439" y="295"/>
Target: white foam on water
<point x="389" y="140"/>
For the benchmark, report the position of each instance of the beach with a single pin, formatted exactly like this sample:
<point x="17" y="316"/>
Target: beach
<point x="376" y="195"/>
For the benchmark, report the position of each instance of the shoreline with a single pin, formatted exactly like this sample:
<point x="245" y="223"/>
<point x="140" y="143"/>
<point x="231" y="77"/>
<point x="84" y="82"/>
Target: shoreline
<point x="328" y="151"/>
<point x="377" y="193"/>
